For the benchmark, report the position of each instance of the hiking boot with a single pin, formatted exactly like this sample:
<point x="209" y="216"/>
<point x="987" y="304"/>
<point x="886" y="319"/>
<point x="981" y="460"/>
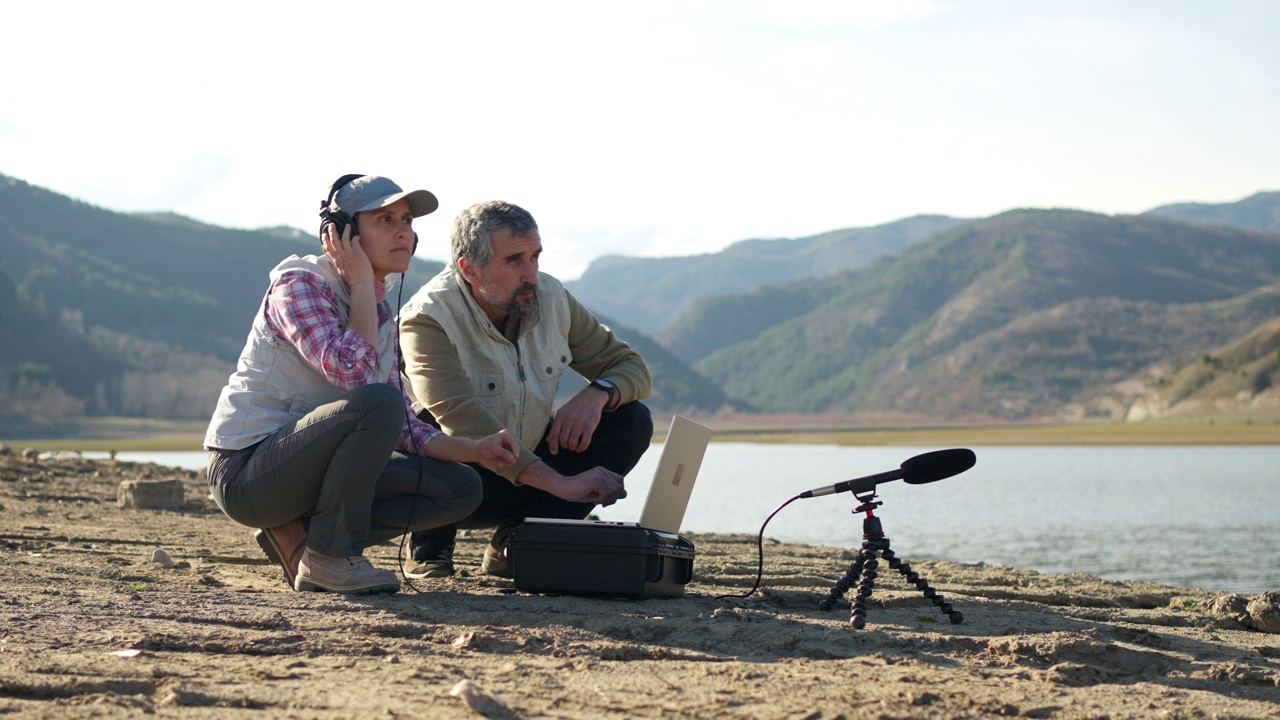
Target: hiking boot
<point x="283" y="545"/>
<point x="344" y="575"/>
<point x="431" y="559"/>
<point x="495" y="554"/>
<point x="495" y="562"/>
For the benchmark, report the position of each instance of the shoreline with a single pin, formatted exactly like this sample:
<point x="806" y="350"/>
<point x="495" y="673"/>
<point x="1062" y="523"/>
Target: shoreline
<point x="132" y="434"/>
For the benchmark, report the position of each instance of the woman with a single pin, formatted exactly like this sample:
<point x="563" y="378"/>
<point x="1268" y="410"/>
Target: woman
<point x="311" y="440"/>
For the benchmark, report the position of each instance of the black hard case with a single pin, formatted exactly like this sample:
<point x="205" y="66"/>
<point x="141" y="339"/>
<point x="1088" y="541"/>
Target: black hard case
<point x="600" y="560"/>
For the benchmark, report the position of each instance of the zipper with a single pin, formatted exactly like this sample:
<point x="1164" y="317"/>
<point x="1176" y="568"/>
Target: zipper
<point x="524" y="391"/>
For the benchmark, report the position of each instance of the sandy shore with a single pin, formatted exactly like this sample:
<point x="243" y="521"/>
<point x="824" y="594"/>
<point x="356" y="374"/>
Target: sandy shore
<point x="141" y="434"/>
<point x="92" y="626"/>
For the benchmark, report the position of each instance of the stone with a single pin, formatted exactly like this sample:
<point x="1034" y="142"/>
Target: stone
<point x="1264" y="612"/>
<point x="151" y="494"/>
<point x="1231" y="606"/>
<point x="481" y="700"/>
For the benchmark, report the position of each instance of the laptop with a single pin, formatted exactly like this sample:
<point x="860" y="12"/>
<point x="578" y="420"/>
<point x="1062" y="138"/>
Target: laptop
<point x="672" y="481"/>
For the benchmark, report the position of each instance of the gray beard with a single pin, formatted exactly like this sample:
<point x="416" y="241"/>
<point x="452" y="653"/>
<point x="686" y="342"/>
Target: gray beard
<point x="512" y="306"/>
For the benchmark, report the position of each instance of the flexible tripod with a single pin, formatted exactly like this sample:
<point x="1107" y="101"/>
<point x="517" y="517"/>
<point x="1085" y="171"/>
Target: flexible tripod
<point x="863" y="570"/>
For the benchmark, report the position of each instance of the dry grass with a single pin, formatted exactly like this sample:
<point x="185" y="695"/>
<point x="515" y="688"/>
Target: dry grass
<point x="1144" y="433"/>
<point x="128" y="434"/>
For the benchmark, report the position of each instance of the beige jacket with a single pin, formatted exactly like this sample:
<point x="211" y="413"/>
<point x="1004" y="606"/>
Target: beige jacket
<point x="477" y="379"/>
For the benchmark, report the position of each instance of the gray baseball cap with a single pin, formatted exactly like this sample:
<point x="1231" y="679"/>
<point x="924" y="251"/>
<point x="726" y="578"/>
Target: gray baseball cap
<point x="374" y="191"/>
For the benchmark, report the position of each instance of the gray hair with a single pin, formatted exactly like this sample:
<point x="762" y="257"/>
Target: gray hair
<point x="473" y="229"/>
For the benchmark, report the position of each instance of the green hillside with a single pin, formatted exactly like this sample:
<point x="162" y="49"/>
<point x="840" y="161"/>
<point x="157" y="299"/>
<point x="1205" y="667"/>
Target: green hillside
<point x="106" y="313"/>
<point x="1029" y="314"/>
<point x="143" y="315"/>
<point x="1240" y="379"/>
<point x="677" y="388"/>
<point x="900" y="335"/>
<point x="1256" y="212"/>
<point x="652" y="293"/>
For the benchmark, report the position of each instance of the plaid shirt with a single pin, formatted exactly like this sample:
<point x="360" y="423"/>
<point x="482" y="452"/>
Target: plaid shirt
<point x="302" y="310"/>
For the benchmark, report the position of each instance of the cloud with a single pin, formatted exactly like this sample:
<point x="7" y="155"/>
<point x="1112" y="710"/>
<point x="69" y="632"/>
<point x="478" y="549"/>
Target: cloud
<point x="861" y="14"/>
<point x="807" y="58"/>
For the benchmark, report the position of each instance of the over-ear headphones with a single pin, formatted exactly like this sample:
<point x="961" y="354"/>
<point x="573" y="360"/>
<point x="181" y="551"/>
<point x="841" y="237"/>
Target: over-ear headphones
<point x="339" y="218"/>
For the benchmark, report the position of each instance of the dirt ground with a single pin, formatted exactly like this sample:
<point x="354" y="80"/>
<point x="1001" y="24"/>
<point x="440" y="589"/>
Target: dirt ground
<point x="93" y="623"/>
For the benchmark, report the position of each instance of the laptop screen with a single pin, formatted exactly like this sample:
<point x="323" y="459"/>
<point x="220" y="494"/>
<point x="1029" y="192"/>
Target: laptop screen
<point x="673" y="480"/>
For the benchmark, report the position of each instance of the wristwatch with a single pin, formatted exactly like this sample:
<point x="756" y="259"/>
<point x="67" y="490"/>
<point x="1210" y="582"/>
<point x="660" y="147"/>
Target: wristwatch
<point x="610" y="389"/>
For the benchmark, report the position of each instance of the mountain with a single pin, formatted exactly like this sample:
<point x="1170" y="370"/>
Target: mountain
<point x="151" y="276"/>
<point x="1026" y="315"/>
<point x="1256" y="212"/>
<point x="1240" y="379"/>
<point x="1012" y="316"/>
<point x="651" y="293"/>
<point x="107" y="313"/>
<point x="677" y="388"/>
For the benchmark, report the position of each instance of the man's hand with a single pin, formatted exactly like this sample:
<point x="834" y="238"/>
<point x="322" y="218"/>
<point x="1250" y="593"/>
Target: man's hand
<point x="576" y="421"/>
<point x="597" y="485"/>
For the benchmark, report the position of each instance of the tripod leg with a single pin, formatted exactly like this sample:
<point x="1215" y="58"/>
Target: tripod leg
<point x="914" y="578"/>
<point x="858" y="613"/>
<point x="843" y="584"/>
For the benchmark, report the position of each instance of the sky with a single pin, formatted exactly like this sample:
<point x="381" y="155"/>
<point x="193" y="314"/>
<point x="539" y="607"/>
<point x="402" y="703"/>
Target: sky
<point x="645" y="129"/>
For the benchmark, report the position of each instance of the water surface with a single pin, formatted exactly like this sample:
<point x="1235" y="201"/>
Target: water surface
<point x="1203" y="517"/>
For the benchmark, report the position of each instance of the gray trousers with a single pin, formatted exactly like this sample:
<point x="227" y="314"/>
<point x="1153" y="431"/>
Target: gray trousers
<point x="337" y="469"/>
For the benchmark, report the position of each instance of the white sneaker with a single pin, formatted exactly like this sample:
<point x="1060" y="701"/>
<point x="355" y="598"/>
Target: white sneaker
<point x="343" y="575"/>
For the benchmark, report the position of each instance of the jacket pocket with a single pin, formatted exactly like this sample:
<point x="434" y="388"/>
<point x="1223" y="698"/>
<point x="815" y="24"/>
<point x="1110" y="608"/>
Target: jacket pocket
<point x="549" y="365"/>
<point x="489" y="387"/>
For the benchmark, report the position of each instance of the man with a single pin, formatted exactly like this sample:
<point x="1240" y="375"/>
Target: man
<point x="486" y="343"/>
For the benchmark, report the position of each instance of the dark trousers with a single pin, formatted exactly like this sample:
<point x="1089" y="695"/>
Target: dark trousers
<point x="619" y="441"/>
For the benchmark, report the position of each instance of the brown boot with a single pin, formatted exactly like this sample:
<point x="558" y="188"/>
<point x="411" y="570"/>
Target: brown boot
<point x="284" y="544"/>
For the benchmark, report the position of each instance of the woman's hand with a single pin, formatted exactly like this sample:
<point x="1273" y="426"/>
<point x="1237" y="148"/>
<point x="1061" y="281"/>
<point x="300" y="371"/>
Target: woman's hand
<point x="357" y="272"/>
<point x="498" y="450"/>
<point x="353" y="264"/>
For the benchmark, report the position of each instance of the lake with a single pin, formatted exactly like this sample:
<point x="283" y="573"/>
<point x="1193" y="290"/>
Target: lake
<point x="1198" y="517"/>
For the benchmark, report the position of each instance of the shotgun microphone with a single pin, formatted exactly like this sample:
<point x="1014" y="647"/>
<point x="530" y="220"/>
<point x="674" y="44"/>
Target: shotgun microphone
<point x="921" y="469"/>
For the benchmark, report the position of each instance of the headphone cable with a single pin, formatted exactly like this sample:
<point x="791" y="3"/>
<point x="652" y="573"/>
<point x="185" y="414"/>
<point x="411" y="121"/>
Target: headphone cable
<point x="408" y="523"/>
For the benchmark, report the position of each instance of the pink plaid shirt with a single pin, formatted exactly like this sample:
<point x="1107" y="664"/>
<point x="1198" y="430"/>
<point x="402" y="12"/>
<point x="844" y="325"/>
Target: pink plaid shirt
<point x="303" y="310"/>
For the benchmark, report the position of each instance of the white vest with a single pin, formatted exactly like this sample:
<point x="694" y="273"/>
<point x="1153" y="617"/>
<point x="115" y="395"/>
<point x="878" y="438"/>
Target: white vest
<point x="273" y="384"/>
<point x="516" y="383"/>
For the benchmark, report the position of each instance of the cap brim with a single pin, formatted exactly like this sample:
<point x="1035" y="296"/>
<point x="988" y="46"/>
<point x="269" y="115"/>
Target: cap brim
<point x="421" y="202"/>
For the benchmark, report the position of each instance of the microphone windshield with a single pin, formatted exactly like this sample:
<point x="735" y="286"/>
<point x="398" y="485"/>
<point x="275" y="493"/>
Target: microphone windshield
<point x="937" y="465"/>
